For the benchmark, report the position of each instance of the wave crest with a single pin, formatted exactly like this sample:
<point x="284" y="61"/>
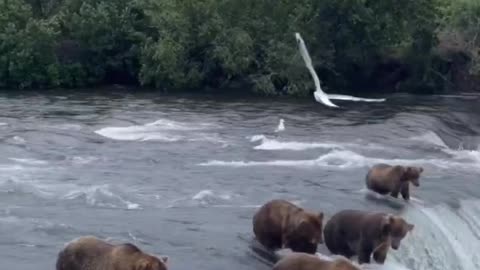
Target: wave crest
<point x="100" y="196"/>
<point x="342" y="159"/>
<point x="161" y="130"/>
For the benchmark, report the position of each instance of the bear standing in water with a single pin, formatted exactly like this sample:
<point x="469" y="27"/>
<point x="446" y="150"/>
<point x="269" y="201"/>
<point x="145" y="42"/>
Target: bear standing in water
<point x="303" y="261"/>
<point x="90" y="253"/>
<point x="385" y="179"/>
<point x="281" y="224"/>
<point x="354" y="232"/>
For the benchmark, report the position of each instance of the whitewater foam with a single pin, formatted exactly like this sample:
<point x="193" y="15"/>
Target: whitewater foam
<point x="79" y="160"/>
<point x="29" y="161"/>
<point x="205" y="194"/>
<point x="67" y="126"/>
<point x="334" y="159"/>
<point x="94" y="195"/>
<point x="256" y="138"/>
<point x="444" y="237"/>
<point x="269" y="144"/>
<point x="19" y="140"/>
<point x="472" y="156"/>
<point x="211" y="198"/>
<point x="387" y="198"/>
<point x="167" y="124"/>
<point x="458" y="156"/>
<point x="342" y="159"/>
<point x="135" y="133"/>
<point x="431" y="138"/>
<point x="100" y="195"/>
<point x="161" y="130"/>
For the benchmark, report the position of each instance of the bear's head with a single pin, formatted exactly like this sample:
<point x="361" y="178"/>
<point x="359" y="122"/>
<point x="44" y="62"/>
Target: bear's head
<point x="306" y="233"/>
<point x="412" y="174"/>
<point x="147" y="262"/>
<point x="395" y="228"/>
<point x="129" y="256"/>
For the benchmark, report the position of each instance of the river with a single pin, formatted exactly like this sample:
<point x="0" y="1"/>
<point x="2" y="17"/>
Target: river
<point x="183" y="175"/>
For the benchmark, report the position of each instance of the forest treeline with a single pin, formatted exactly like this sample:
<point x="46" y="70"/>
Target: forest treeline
<point x="193" y="45"/>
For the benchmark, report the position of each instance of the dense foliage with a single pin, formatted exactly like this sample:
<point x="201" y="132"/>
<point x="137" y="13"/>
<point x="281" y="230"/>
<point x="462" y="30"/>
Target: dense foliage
<point x="356" y="45"/>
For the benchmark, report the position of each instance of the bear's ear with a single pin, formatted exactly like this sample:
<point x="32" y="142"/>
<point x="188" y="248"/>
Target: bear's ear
<point x="164" y="259"/>
<point x="143" y="264"/>
<point x="410" y="227"/>
<point x="386" y="225"/>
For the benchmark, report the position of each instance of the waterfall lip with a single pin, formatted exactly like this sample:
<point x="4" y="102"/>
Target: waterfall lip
<point x="319" y="95"/>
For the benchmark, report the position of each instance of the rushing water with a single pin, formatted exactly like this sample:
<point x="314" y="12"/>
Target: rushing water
<point x="182" y="176"/>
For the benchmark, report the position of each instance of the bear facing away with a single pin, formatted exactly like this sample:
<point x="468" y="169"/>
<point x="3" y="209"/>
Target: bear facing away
<point x="303" y="261"/>
<point x="281" y="224"/>
<point x="354" y="232"/>
<point x="386" y="179"/>
<point x="90" y="253"/>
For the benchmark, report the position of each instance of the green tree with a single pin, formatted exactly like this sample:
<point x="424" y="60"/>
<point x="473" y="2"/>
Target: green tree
<point x="26" y="48"/>
<point x="105" y="36"/>
<point x="460" y="30"/>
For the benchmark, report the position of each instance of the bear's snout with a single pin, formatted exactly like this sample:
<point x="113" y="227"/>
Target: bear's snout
<point x="304" y="247"/>
<point x="395" y="246"/>
<point x="312" y="248"/>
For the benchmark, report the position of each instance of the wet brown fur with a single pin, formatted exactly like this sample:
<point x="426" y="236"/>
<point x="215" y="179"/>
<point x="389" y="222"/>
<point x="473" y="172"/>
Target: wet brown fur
<point x="90" y="253"/>
<point x="281" y="224"/>
<point x="303" y="261"/>
<point x="353" y="232"/>
<point x="386" y="179"/>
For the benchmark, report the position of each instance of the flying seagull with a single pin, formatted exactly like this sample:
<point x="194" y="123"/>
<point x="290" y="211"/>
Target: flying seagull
<point x="319" y="95"/>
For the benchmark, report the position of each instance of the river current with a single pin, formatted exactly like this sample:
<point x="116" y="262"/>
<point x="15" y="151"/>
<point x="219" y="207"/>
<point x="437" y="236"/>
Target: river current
<point x="183" y="175"/>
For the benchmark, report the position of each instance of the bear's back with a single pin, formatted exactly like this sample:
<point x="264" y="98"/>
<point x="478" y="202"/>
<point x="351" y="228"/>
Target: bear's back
<point x="83" y="254"/>
<point x="343" y="264"/>
<point x="301" y="261"/>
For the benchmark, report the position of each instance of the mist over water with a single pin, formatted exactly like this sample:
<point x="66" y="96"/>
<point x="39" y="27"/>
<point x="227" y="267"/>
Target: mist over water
<point x="182" y="176"/>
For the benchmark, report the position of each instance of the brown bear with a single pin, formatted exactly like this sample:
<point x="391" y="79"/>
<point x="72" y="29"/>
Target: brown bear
<point x="354" y="232"/>
<point x="281" y="224"/>
<point x="90" y="253"/>
<point x="386" y="179"/>
<point x="303" y="261"/>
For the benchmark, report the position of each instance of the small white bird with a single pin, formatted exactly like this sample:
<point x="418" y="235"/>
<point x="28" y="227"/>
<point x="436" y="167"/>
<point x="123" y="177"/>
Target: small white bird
<point x="281" y="126"/>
